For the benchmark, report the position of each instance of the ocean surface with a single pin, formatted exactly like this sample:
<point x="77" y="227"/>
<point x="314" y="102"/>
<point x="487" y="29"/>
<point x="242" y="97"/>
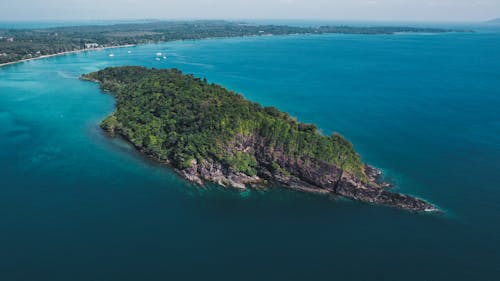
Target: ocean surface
<point x="78" y="205"/>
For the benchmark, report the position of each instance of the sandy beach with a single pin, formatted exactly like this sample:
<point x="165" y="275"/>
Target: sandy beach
<point x="65" y="53"/>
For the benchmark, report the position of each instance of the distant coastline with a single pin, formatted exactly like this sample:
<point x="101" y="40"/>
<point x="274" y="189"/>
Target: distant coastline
<point x="20" y="45"/>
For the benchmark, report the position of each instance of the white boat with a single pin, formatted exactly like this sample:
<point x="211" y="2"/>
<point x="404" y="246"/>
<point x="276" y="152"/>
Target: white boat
<point x="157" y="58"/>
<point x="111" y="55"/>
<point x="130" y="52"/>
<point x="164" y="57"/>
<point x="158" y="54"/>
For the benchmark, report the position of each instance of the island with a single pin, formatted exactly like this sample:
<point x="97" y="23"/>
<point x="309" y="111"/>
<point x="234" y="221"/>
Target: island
<point x="494" y="21"/>
<point x="210" y="134"/>
<point x="26" y="44"/>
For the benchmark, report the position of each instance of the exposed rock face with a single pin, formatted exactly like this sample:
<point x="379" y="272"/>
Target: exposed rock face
<point x="308" y="175"/>
<point x="216" y="173"/>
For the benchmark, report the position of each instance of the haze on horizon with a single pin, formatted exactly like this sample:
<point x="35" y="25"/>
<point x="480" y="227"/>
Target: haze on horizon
<point x="364" y="10"/>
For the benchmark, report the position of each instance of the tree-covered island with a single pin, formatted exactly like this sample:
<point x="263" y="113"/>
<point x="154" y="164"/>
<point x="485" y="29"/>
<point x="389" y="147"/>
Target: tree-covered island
<point x="212" y="134"/>
<point x="22" y="44"/>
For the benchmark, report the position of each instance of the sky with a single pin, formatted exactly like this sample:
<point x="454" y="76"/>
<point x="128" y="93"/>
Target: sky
<point x="362" y="10"/>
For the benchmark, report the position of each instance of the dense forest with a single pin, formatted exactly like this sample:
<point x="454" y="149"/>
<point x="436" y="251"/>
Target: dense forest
<point x="18" y="44"/>
<point x="178" y="118"/>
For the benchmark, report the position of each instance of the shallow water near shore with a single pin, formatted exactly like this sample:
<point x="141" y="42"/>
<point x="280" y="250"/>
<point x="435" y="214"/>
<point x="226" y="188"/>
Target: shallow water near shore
<point x="78" y="205"/>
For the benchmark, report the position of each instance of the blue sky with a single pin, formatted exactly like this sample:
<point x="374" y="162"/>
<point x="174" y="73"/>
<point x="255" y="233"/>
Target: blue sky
<point x="385" y="10"/>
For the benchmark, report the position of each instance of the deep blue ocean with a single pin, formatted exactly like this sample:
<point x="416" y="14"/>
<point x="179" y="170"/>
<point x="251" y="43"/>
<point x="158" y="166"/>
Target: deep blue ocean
<point x="78" y="205"/>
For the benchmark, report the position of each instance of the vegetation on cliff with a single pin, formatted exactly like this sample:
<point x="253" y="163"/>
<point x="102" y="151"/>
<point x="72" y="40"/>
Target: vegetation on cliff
<point x="180" y="118"/>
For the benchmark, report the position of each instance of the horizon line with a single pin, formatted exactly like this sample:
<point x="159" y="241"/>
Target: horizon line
<point x="244" y="19"/>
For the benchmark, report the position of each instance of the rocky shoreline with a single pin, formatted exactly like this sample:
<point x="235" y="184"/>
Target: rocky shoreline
<point x="316" y="178"/>
<point x="346" y="186"/>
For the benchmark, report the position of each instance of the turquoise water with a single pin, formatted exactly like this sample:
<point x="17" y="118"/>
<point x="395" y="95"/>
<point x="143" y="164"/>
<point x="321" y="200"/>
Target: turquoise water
<point x="77" y="205"/>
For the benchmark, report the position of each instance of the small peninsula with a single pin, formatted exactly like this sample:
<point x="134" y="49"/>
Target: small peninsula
<point x="210" y="134"/>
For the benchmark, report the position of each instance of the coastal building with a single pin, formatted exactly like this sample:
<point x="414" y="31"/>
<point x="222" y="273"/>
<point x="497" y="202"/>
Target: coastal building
<point x="91" y="45"/>
<point x="10" y="39"/>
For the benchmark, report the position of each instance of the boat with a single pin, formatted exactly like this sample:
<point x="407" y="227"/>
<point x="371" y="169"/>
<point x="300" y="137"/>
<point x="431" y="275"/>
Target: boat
<point x="111" y="55"/>
<point x="158" y="54"/>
